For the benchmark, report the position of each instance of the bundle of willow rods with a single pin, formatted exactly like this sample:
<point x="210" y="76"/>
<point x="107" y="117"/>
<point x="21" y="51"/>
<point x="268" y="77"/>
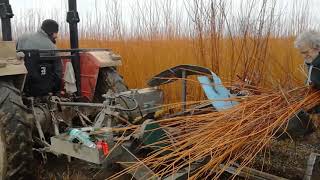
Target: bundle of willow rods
<point x="221" y="139"/>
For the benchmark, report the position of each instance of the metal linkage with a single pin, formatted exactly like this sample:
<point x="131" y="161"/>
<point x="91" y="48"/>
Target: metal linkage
<point x="40" y="132"/>
<point x="5" y="15"/>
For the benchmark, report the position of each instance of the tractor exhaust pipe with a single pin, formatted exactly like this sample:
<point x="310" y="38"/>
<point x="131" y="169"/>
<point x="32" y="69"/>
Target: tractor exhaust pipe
<point x="6" y="14"/>
<point x="73" y="19"/>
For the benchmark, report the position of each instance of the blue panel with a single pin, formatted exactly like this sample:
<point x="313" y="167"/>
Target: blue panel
<point x="216" y="92"/>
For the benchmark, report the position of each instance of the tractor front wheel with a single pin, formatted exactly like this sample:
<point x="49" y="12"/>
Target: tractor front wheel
<point x="108" y="79"/>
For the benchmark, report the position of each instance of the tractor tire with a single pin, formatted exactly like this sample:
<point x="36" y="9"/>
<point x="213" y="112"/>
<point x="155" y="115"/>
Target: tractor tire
<point x="108" y="78"/>
<point x="16" y="156"/>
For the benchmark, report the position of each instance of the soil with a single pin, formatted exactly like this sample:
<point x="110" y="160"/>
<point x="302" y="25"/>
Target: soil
<point x="58" y="168"/>
<point x="288" y="158"/>
<point x="285" y="158"/>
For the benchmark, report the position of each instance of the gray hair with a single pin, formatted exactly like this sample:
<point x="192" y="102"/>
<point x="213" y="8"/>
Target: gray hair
<point x="309" y="38"/>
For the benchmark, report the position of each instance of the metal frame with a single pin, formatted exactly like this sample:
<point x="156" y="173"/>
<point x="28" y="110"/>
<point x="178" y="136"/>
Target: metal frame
<point x="6" y="14"/>
<point x="73" y="19"/>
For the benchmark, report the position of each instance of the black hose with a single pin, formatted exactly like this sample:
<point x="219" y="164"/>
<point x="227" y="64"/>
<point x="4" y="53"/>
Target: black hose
<point x="129" y="109"/>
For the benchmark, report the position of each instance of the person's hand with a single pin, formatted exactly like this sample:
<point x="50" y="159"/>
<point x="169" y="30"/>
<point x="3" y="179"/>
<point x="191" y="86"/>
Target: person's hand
<point x="62" y="93"/>
<point x="243" y="93"/>
<point x="315" y="119"/>
<point x="20" y="56"/>
<point x="59" y="93"/>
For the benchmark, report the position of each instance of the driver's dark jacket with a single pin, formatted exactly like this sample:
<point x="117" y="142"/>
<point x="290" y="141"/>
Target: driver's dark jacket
<point x="315" y="72"/>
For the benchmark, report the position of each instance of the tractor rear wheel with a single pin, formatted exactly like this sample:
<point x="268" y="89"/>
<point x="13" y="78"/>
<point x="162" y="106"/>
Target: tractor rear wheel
<point x="15" y="136"/>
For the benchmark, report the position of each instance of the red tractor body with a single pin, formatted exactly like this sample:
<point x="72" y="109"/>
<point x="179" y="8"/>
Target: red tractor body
<point x="90" y="64"/>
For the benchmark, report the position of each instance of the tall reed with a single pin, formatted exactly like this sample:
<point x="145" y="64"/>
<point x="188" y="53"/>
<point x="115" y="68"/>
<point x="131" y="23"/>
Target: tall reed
<point x="249" y="40"/>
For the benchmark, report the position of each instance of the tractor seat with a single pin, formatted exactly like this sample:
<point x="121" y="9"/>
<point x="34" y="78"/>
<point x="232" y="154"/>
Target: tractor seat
<point x="40" y="78"/>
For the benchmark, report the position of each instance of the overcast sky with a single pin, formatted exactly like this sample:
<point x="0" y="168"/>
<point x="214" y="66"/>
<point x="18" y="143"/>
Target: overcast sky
<point x="88" y="6"/>
<point x="26" y="10"/>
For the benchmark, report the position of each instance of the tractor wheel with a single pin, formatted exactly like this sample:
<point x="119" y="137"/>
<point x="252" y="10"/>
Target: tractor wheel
<point x="108" y="79"/>
<point x="15" y="136"/>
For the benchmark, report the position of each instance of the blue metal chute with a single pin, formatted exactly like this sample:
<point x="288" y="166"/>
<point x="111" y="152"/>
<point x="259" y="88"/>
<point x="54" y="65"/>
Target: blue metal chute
<point x="216" y="92"/>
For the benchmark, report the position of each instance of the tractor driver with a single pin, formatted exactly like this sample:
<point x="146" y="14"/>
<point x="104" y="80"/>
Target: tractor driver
<point x="44" y="77"/>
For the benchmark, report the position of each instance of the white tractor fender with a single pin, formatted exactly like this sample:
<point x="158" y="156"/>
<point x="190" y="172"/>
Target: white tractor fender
<point x="106" y="58"/>
<point x="11" y="63"/>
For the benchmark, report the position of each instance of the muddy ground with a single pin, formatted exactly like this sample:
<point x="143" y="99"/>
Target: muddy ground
<point x="60" y="169"/>
<point x="285" y="158"/>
